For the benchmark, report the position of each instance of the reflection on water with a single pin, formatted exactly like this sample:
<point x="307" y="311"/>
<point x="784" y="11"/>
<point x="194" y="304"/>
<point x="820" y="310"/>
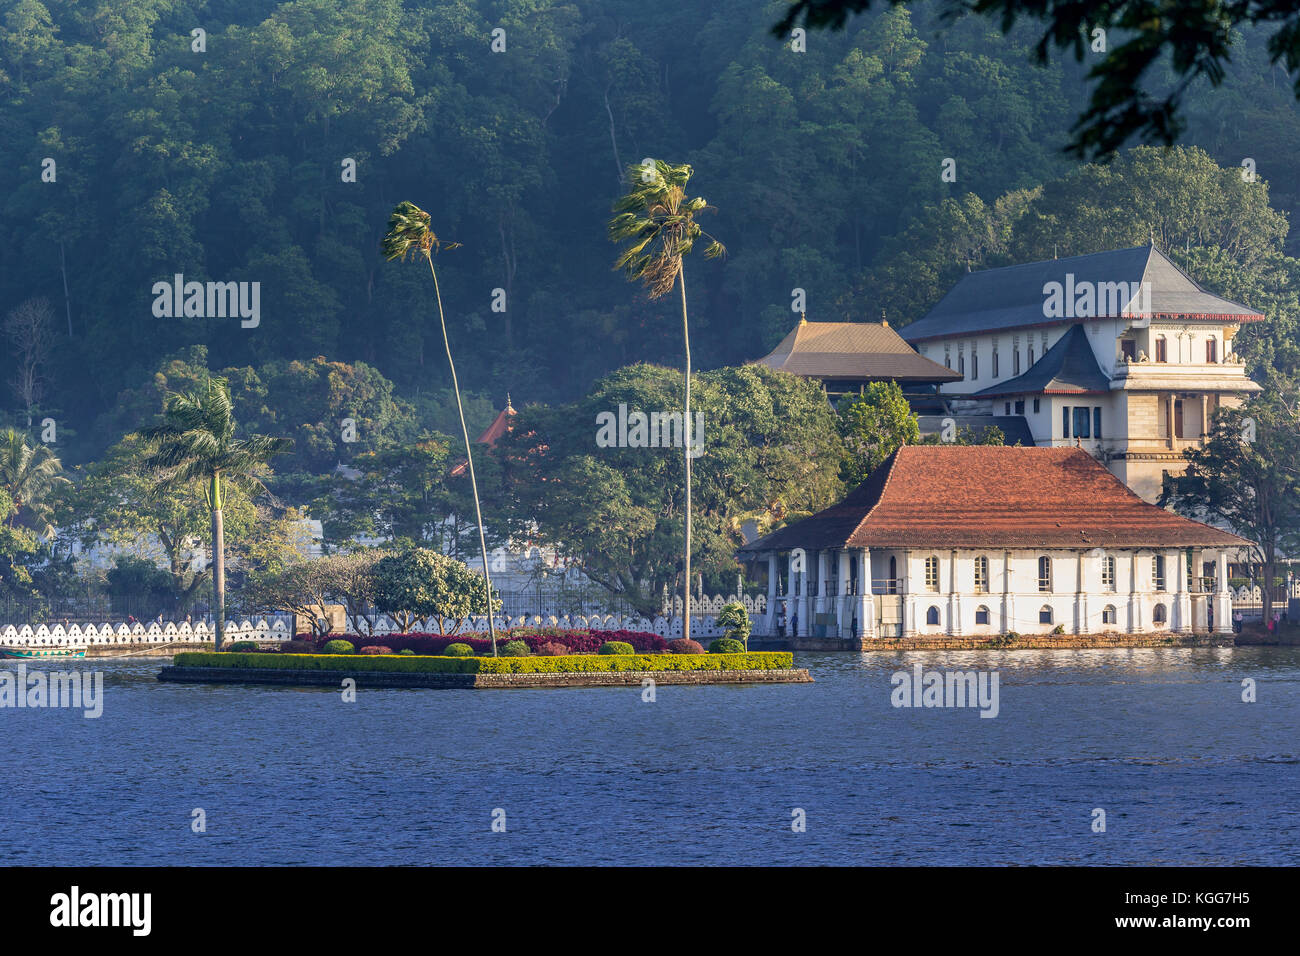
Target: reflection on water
<point x="1186" y="772"/>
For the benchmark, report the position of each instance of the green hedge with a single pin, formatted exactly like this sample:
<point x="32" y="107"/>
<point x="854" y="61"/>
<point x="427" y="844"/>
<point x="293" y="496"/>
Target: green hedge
<point x="567" y="664"/>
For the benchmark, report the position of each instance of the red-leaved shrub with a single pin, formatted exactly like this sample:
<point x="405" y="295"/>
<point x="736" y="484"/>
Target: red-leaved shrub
<point x="577" y="641"/>
<point x="684" y="645"/>
<point x="552" y="649"/>
<point x="375" y="649"/>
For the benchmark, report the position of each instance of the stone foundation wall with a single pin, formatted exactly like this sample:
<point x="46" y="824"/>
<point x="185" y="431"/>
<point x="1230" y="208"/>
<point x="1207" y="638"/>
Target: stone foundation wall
<point x="943" y="642"/>
<point x="146" y="650"/>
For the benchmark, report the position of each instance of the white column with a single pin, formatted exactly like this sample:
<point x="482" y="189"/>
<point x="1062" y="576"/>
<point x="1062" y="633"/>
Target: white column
<point x="954" y="602"/>
<point x="909" y="599"/>
<point x="1222" y="596"/>
<point x="771" y="592"/>
<point x="843" y="612"/>
<point x="823" y="582"/>
<point x="1134" y="601"/>
<point x="801" y="605"/>
<point x="1080" y="598"/>
<point x="1182" y="597"/>
<point x="866" y="603"/>
<point x="1008" y="602"/>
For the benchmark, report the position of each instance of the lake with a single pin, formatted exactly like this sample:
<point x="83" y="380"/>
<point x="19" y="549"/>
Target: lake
<point x="1161" y="740"/>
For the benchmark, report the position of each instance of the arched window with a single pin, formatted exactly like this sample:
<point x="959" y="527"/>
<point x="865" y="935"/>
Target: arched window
<point x="982" y="575"/>
<point x="932" y="616"/>
<point x="1158" y="572"/>
<point x="893" y="574"/>
<point x="981" y="615"/>
<point x="1045" y="614"/>
<point x="1162" y="349"/>
<point x="1160" y="615"/>
<point x="1108" y="573"/>
<point x="1108" y="614"/>
<point x="1045" y="573"/>
<point x="1212" y="350"/>
<point x="932" y="573"/>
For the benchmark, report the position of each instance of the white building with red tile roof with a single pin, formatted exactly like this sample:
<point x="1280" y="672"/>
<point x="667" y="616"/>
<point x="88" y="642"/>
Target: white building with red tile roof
<point x="985" y="540"/>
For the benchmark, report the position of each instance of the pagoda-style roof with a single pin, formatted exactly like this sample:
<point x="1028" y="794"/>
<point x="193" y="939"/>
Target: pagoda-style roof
<point x="1068" y="368"/>
<point x="986" y="496"/>
<point x="1012" y="297"/>
<point x="859" y="351"/>
<point x="500" y="425"/>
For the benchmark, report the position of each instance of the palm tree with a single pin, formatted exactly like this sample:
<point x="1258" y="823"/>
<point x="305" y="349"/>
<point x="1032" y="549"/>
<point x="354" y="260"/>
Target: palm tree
<point x="196" y="443"/>
<point x="409" y="233"/>
<point x="657" y="220"/>
<point x="30" y="474"/>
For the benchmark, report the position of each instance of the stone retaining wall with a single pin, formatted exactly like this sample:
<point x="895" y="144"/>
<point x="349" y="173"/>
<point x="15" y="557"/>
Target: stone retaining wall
<point x="333" y="679"/>
<point x="146" y="650"/>
<point x="943" y="642"/>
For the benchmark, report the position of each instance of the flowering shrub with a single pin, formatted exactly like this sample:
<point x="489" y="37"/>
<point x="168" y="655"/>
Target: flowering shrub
<point x="684" y="645"/>
<point x="577" y="641"/>
<point x="375" y="649"/>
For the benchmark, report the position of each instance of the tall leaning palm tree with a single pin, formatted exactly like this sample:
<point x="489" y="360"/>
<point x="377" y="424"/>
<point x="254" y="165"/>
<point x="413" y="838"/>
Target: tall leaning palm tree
<point x="656" y="220"/>
<point x="30" y="474"/>
<point x="410" y="234"/>
<point x="196" y="444"/>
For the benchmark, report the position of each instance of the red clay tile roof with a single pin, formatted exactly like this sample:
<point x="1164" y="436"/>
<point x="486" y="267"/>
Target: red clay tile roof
<point x="975" y="496"/>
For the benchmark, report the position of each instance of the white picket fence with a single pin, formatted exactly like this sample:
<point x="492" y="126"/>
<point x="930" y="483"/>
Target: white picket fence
<point x="154" y="633"/>
<point x="137" y="633"/>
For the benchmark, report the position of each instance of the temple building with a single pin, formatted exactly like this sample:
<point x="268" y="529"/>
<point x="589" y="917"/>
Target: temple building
<point x="1120" y="353"/>
<point x="846" y="356"/>
<point x="985" y="540"/>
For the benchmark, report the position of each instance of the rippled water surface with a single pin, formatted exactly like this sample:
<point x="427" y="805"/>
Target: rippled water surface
<point x="1160" y="739"/>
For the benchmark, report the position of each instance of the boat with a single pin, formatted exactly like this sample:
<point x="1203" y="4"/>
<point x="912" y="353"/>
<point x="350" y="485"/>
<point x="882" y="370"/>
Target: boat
<point x="43" y="653"/>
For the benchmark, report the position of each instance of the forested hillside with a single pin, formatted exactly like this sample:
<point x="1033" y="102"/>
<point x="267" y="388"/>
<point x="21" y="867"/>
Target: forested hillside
<point x="227" y="163"/>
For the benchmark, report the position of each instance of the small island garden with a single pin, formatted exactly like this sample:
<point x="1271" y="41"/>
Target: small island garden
<point x="529" y="658"/>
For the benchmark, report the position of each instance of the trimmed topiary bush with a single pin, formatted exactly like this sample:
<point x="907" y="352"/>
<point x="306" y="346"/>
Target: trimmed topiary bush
<point x="338" y="647"/>
<point x="726" y="645"/>
<point x="684" y="645"/>
<point x="616" y="647"/>
<point x="375" y="649"/>
<point x="552" y="649"/>
<point x="407" y="650"/>
<point x="517" y="649"/>
<point x="458" y="650"/>
<point x="243" y="647"/>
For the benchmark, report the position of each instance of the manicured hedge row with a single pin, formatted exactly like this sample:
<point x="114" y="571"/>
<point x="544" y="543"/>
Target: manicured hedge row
<point x="569" y="663"/>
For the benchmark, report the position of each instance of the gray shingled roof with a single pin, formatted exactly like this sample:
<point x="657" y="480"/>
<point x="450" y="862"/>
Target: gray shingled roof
<point x="1012" y="297"/>
<point x="853" y="350"/>
<point x="1069" y="366"/>
<point x="1014" y="428"/>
